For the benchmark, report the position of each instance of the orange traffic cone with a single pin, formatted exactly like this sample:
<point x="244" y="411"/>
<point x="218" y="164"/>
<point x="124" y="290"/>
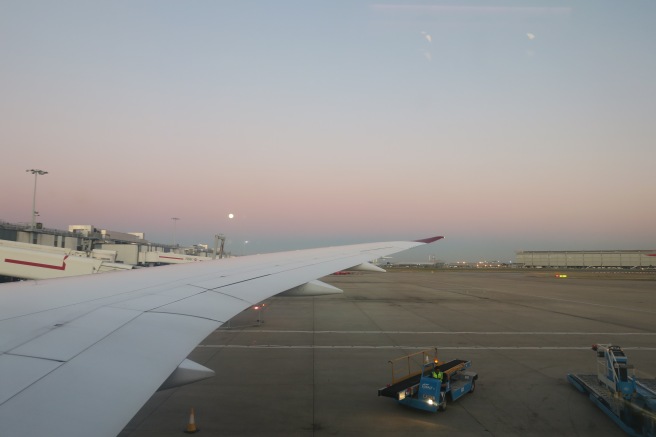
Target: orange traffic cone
<point x="191" y="426"/>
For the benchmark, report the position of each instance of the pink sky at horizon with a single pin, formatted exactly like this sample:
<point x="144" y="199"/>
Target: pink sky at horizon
<point x="298" y="220"/>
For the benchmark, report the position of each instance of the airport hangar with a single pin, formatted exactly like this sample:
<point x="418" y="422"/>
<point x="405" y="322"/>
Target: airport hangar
<point x="626" y="259"/>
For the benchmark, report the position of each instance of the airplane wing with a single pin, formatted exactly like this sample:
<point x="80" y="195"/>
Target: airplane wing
<point x="81" y="355"/>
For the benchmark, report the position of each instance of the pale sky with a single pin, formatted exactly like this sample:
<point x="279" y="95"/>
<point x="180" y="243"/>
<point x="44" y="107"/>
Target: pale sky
<point x="502" y="125"/>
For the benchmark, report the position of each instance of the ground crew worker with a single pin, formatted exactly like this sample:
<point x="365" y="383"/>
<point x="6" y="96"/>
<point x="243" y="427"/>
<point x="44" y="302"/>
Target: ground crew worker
<point x="437" y="375"/>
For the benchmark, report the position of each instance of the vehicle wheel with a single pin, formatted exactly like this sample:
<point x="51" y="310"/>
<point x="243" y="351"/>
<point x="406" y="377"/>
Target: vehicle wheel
<point x="473" y="387"/>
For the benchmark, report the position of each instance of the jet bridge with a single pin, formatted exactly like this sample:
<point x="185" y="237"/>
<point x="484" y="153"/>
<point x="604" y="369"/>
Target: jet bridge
<point x="33" y="261"/>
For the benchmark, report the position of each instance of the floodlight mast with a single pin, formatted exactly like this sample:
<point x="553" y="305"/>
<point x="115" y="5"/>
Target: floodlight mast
<point x="175" y="221"/>
<point x="36" y="173"/>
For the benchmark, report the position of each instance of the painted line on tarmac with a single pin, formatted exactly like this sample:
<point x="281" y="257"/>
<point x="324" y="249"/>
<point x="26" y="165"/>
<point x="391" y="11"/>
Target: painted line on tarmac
<point x="522" y="348"/>
<point x="274" y="331"/>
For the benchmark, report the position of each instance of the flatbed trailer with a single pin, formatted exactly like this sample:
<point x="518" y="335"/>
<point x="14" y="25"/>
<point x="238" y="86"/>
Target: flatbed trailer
<point x="421" y="390"/>
<point x="628" y="401"/>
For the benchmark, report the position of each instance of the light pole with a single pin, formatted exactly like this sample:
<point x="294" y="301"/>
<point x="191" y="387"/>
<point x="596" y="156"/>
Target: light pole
<point x="175" y="220"/>
<point x="36" y="173"/>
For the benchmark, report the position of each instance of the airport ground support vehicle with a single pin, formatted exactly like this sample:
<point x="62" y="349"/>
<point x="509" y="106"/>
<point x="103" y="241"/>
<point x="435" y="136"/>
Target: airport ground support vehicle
<point x="421" y="381"/>
<point x="628" y="401"/>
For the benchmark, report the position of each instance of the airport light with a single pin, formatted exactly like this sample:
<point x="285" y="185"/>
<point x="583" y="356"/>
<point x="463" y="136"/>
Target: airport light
<point x="36" y="173"/>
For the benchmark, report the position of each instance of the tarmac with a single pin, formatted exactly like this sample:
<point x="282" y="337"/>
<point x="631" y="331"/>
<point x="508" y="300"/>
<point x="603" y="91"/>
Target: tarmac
<point x="313" y="366"/>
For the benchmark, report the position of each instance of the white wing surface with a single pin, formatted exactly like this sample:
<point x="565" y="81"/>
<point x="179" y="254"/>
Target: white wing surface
<point x="82" y="355"/>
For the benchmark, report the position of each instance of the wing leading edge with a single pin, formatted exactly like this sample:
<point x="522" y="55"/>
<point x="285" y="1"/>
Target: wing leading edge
<point x="85" y="353"/>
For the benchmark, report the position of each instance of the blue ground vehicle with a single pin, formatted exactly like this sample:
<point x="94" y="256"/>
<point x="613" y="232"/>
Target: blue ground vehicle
<point x="630" y="402"/>
<point x="420" y="389"/>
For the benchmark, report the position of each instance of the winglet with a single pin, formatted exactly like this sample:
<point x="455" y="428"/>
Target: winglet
<point x="428" y="240"/>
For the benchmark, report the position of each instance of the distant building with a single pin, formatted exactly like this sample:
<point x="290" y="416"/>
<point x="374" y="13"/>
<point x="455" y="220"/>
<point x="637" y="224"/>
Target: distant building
<point x="478" y="265"/>
<point x="587" y="258"/>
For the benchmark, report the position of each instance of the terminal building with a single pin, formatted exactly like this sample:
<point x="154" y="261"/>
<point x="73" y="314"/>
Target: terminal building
<point x="87" y="238"/>
<point x="581" y="259"/>
<point x="28" y="252"/>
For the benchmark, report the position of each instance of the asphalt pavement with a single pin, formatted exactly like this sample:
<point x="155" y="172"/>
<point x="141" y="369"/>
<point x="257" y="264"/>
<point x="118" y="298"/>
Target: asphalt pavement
<point x="312" y="366"/>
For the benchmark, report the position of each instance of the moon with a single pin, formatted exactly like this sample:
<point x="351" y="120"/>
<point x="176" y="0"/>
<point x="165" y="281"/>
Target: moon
<point x="231" y="216"/>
